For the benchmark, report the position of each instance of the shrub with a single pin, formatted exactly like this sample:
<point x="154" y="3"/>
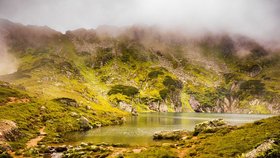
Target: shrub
<point x="116" y="98"/>
<point x="155" y="74"/>
<point x="131" y="51"/>
<point x="229" y="77"/>
<point x="163" y="93"/>
<point x="67" y="101"/>
<point x="103" y="56"/>
<point x="170" y="83"/>
<point x="253" y="87"/>
<point x="125" y="90"/>
<point x="258" y="51"/>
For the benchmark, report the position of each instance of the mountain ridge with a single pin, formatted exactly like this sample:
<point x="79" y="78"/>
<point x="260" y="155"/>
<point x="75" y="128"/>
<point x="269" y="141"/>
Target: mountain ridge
<point x="203" y="66"/>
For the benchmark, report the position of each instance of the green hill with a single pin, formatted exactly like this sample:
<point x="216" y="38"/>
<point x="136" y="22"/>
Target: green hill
<point x="106" y="73"/>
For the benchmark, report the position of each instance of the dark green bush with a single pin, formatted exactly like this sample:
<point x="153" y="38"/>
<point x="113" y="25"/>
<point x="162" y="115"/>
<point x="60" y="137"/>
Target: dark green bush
<point x="163" y="93"/>
<point x="67" y="66"/>
<point x="170" y="82"/>
<point x="102" y="57"/>
<point x="258" y="51"/>
<point x="155" y="74"/>
<point x="131" y="51"/>
<point x="125" y="90"/>
<point x="253" y="87"/>
<point x="227" y="47"/>
<point x="229" y="77"/>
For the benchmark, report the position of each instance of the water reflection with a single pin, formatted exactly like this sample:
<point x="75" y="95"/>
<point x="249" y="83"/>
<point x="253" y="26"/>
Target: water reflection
<point x="139" y="130"/>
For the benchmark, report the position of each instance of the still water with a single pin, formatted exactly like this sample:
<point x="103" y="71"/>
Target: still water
<point x="139" y="130"/>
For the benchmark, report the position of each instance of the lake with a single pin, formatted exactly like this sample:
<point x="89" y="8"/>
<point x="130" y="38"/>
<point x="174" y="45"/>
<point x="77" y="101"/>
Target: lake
<point x="138" y="130"/>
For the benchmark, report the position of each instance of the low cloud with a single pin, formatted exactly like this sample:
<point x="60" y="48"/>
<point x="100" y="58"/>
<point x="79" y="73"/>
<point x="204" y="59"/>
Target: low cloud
<point x="258" y="19"/>
<point x="8" y="63"/>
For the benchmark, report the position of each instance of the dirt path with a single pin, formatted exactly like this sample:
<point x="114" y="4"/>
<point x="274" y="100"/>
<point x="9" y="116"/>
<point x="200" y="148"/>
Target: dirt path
<point x="33" y="142"/>
<point x="183" y="152"/>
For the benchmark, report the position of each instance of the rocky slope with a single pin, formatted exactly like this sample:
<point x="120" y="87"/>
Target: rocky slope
<point x="85" y="79"/>
<point x="143" y="69"/>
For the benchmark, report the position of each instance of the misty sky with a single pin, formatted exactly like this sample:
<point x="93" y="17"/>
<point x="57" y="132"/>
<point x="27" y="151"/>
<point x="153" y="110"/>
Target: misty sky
<point x="254" y="18"/>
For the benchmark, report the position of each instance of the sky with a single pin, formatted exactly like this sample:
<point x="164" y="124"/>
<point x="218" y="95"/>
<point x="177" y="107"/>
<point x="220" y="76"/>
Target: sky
<point x="258" y="19"/>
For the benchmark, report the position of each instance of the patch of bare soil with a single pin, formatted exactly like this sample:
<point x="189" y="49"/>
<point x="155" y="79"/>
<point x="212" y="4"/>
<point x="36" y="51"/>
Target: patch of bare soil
<point x="33" y="142"/>
<point x="12" y="100"/>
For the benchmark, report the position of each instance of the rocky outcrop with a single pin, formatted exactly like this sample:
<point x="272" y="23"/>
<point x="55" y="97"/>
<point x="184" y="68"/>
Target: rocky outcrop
<point x="254" y="70"/>
<point x="197" y="107"/>
<point x="227" y="104"/>
<point x="9" y="131"/>
<point x="158" y="106"/>
<point x="273" y="107"/>
<point x="204" y="127"/>
<point x="68" y="101"/>
<point x="210" y="126"/>
<point x="195" y="104"/>
<point x="4" y="148"/>
<point x="127" y="107"/>
<point x="79" y="150"/>
<point x="84" y="123"/>
<point x="176" y="101"/>
<point x="261" y="149"/>
<point x="171" y="135"/>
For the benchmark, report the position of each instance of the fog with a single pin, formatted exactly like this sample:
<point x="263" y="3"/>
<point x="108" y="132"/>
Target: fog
<point x="8" y="63"/>
<point x="258" y="19"/>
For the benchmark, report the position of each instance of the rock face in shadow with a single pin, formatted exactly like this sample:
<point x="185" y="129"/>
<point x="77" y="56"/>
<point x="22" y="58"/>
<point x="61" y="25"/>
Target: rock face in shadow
<point x="158" y="106"/>
<point x="9" y="131"/>
<point x="195" y="104"/>
<point x="127" y="107"/>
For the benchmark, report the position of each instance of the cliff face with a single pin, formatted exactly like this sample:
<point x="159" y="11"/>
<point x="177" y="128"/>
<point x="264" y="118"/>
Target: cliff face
<point x="141" y="69"/>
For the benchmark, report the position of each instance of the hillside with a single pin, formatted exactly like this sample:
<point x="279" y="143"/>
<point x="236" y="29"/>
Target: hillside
<point x="90" y="78"/>
<point x="145" y="69"/>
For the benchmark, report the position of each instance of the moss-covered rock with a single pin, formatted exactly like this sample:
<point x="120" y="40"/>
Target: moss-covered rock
<point x="171" y="135"/>
<point x="209" y="126"/>
<point x="263" y="150"/>
<point x="67" y="101"/>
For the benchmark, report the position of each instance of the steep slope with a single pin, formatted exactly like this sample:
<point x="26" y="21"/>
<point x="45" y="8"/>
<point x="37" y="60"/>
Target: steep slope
<point x="142" y="69"/>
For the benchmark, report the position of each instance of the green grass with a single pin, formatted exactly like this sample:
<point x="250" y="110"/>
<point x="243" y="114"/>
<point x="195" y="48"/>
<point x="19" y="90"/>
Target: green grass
<point x="56" y="117"/>
<point x="238" y="141"/>
<point x="155" y="152"/>
<point x="20" y="113"/>
<point x="6" y="92"/>
<point x="226" y="142"/>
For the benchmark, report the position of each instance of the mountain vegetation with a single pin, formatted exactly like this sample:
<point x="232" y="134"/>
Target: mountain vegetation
<point x="90" y="78"/>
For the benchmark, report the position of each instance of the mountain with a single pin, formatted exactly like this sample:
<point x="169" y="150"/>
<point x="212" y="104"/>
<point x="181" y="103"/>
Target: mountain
<point x="146" y="69"/>
<point x="93" y="77"/>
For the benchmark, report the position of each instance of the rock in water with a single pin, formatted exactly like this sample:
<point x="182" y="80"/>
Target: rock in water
<point x="171" y="135"/>
<point x="209" y="126"/>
